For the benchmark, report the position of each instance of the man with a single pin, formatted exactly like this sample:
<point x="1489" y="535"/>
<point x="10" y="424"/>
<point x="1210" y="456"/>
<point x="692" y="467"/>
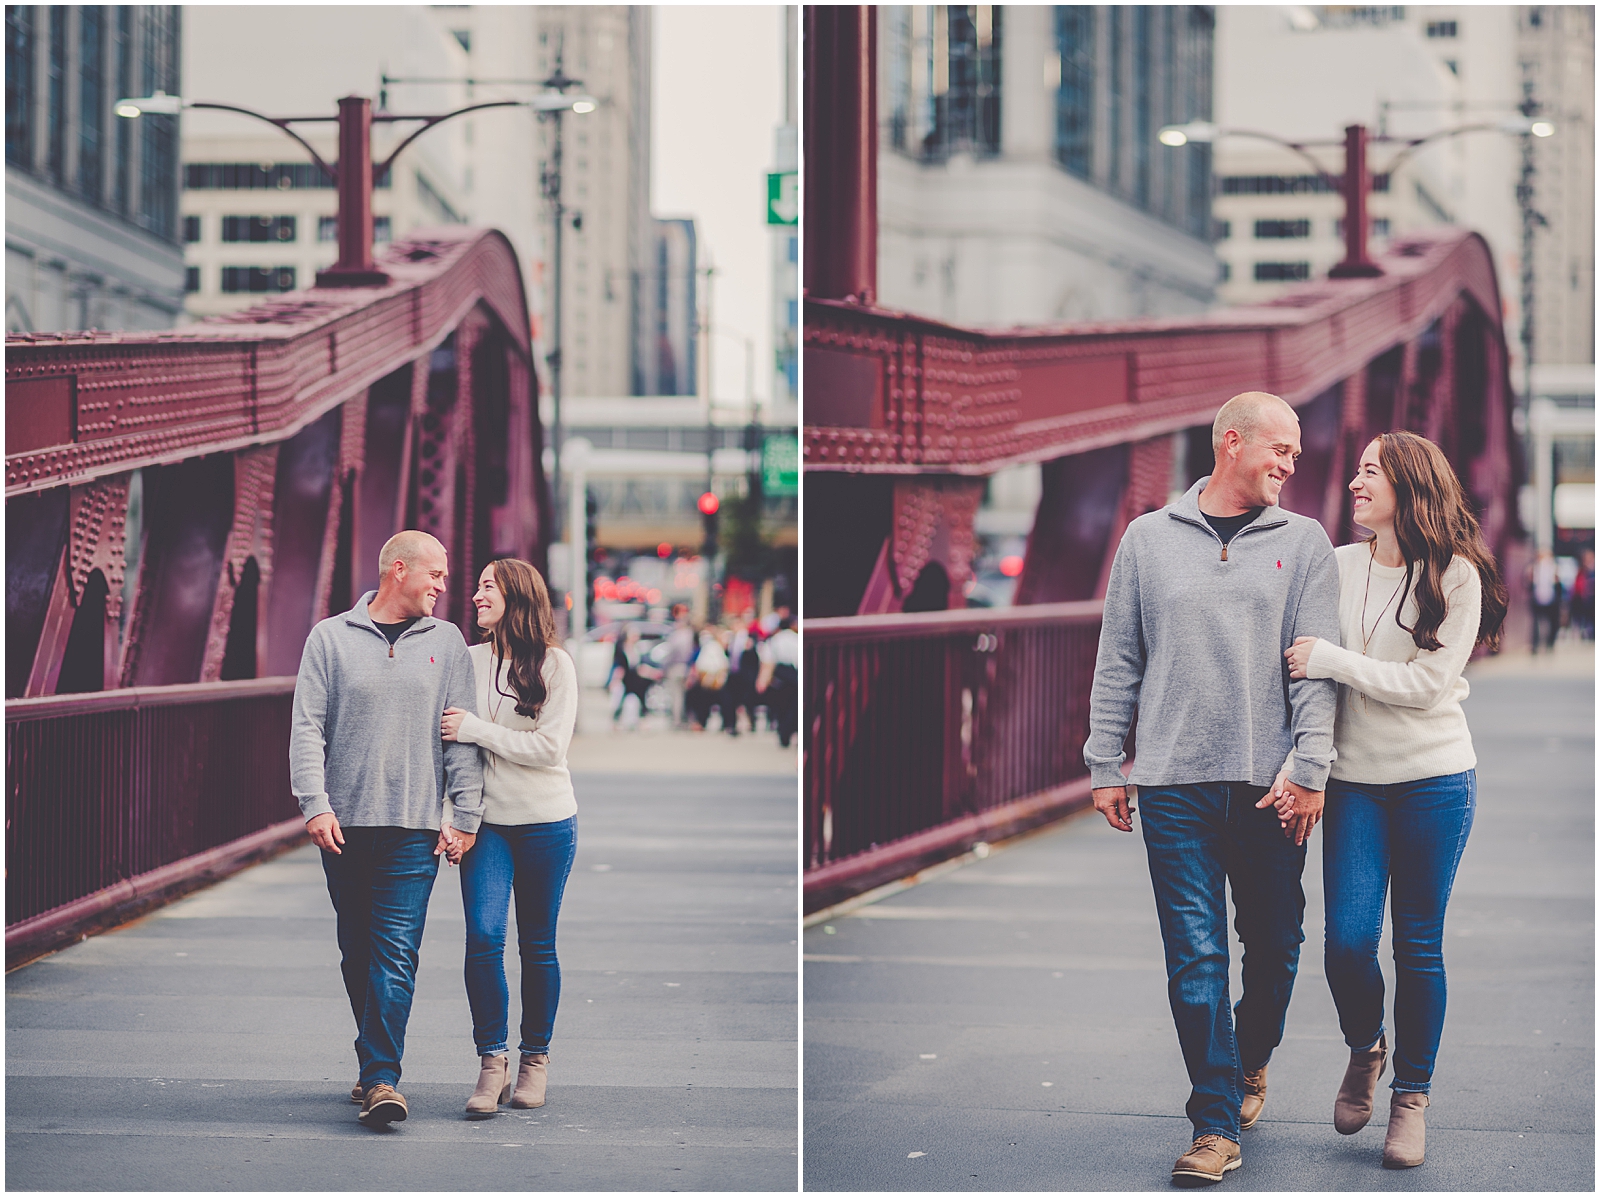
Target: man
<point x="370" y="771"/>
<point x="1204" y="597"/>
<point x="779" y="680"/>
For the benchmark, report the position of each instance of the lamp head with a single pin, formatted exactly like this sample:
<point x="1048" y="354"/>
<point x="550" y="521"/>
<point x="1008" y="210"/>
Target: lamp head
<point x="159" y="104"/>
<point x="1202" y="132"/>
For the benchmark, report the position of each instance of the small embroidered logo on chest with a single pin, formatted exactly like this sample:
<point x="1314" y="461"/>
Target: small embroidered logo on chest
<point x="1280" y="565"/>
<point x="430" y="659"/>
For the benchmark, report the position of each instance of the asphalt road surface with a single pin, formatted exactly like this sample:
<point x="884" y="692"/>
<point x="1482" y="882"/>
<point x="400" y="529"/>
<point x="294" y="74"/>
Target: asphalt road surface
<point x="208" y="1046"/>
<point x="1005" y="1026"/>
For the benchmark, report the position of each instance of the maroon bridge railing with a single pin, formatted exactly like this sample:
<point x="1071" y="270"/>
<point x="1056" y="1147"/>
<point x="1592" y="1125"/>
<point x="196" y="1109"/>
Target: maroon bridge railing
<point x="136" y="794"/>
<point x="928" y="733"/>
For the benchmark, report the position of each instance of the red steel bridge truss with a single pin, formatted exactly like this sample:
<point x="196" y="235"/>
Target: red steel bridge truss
<point x="927" y="733"/>
<point x="182" y="507"/>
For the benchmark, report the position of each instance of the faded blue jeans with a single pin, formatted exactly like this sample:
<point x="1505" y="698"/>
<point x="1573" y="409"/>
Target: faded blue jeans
<point x="530" y="862"/>
<point x="1404" y="840"/>
<point x="380" y="884"/>
<point x="1200" y="838"/>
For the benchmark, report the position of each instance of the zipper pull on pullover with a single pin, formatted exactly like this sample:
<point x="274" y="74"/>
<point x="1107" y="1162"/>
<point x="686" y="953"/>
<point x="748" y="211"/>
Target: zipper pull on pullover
<point x="1224" y="557"/>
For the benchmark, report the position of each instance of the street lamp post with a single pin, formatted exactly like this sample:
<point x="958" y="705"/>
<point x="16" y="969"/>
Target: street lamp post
<point x="1356" y="182"/>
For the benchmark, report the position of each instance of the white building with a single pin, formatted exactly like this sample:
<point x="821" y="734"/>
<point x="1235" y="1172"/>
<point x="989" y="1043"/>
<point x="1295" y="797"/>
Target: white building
<point x="786" y="237"/>
<point x="1019" y="179"/>
<point x="1304" y="75"/>
<point x="257" y="215"/>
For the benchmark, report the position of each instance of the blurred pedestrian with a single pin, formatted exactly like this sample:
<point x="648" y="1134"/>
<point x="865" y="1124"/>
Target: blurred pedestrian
<point x="1416" y="598"/>
<point x="707" y="678"/>
<point x="1203" y="597"/>
<point x="1544" y="587"/>
<point x="371" y="775"/>
<point x="631" y="678"/>
<point x="680" y="653"/>
<point x="1581" y="605"/>
<point x="779" y="680"/>
<point x="522" y="716"/>
<point x="744" y="666"/>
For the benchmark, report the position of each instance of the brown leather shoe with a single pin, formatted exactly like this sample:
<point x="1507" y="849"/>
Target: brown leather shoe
<point x="1402" y="1146"/>
<point x="494" y="1086"/>
<point x="382" y="1106"/>
<point x="1254" y="1097"/>
<point x="1209" y="1157"/>
<point x="1352" y="1109"/>
<point x="531" y="1074"/>
<point x="356" y="1094"/>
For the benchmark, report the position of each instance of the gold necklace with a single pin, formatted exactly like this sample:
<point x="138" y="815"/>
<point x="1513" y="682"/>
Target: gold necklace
<point x="1366" y="636"/>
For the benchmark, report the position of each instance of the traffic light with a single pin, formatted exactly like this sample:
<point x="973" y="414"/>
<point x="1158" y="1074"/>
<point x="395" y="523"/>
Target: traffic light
<point x="709" y="505"/>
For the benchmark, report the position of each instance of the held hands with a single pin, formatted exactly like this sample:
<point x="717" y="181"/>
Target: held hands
<point x="450" y="722"/>
<point x="325" y="832"/>
<point x="1299" y="810"/>
<point x="1299" y="656"/>
<point x="454" y="844"/>
<point x="1113" y="803"/>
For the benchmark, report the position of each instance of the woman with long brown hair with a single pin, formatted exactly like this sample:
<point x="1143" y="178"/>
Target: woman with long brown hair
<point x="527" y="705"/>
<point x="1414" y="601"/>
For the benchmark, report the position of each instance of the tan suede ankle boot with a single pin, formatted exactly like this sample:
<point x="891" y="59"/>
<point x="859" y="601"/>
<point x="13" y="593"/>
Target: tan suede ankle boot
<point x="494" y="1086"/>
<point x="1352" y="1109"/>
<point x="529" y="1094"/>
<point x="1403" y="1145"/>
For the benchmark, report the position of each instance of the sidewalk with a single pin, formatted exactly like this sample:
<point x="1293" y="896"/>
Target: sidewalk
<point x="1005" y="1026"/>
<point x="602" y="746"/>
<point x="208" y="1046"/>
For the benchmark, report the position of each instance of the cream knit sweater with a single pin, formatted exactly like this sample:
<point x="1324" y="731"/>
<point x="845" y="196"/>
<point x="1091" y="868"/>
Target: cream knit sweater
<point x="1400" y="716"/>
<point x="525" y="777"/>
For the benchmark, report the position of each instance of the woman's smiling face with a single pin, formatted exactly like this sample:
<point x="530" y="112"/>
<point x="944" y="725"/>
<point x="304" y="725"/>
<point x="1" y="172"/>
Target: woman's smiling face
<point x="491" y="604"/>
<point x="1373" y="492"/>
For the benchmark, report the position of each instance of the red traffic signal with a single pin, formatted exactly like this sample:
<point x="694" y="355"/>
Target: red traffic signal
<point x="708" y="503"/>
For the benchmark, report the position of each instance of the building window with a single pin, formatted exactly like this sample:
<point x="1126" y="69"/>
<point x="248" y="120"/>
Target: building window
<point x="56" y="118"/>
<point x="1288" y="184"/>
<point x="91" y="99"/>
<point x="1224" y="271"/>
<point x="122" y="129"/>
<point x="191" y="277"/>
<point x="20" y="48"/>
<point x="258" y="228"/>
<point x="191" y="229"/>
<point x="1278" y="272"/>
<point x="1221" y="230"/>
<point x="1282" y="229"/>
<point x="1441" y="28"/>
<point x="253" y="176"/>
<point x="1075" y="32"/>
<point x="327" y="228"/>
<point x="380" y="230"/>
<point x="794" y="249"/>
<point x="257" y="278"/>
<point x="944" y="79"/>
<point x="1380" y="226"/>
<point x="1143" y="104"/>
<point x="158" y="153"/>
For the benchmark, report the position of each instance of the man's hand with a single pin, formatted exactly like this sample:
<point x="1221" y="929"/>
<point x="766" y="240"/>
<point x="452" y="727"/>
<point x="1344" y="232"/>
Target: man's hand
<point x="450" y="722"/>
<point x="1304" y="811"/>
<point x="1112" y="802"/>
<point x="325" y="832"/>
<point x="454" y="843"/>
<point x="1299" y="656"/>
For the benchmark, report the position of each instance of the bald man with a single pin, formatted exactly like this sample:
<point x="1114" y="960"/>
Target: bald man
<point x="371" y="774"/>
<point x="1204" y="597"/>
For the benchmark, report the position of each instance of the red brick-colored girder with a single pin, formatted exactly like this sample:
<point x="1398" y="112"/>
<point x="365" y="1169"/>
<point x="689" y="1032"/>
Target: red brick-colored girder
<point x="841" y="152"/>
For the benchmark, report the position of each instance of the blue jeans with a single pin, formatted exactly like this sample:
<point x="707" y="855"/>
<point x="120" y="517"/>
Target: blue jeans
<point x="529" y="861"/>
<point x="1405" y="839"/>
<point x="1197" y="838"/>
<point x="380" y="885"/>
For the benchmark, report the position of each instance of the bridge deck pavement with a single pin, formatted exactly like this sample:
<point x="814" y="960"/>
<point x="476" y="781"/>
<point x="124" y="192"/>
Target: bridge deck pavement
<point x="1005" y="1026"/>
<point x="208" y="1046"/>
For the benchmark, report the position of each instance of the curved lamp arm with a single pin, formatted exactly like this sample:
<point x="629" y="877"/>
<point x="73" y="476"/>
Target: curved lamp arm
<point x="1204" y="133"/>
<point x="1417" y="143"/>
<point x="380" y="169"/>
<point x="283" y="124"/>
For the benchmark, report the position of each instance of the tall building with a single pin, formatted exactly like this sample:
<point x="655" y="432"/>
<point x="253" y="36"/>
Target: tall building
<point x="258" y="215"/>
<point x="1019" y="177"/>
<point x="665" y="359"/>
<point x="786" y="237"/>
<point x="91" y="201"/>
<point x="1555" y="73"/>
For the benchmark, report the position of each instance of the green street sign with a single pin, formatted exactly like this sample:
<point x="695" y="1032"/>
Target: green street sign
<point x="783" y="198"/>
<point x="780" y="465"/>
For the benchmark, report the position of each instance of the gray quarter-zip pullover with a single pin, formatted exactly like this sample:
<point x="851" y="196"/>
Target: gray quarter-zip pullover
<point x="364" y="740"/>
<point x="1194" y="634"/>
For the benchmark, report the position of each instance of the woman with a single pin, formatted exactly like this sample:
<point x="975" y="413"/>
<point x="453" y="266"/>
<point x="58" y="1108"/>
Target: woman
<point x="1413" y="602"/>
<point x="527" y="705"/>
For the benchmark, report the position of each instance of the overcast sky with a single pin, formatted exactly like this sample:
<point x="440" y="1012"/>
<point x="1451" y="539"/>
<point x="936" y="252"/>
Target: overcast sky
<point x="718" y="99"/>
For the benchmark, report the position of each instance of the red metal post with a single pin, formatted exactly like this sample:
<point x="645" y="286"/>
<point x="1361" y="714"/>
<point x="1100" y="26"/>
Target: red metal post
<point x="1357" y="187"/>
<point x="841" y="176"/>
<point x="354" y="268"/>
